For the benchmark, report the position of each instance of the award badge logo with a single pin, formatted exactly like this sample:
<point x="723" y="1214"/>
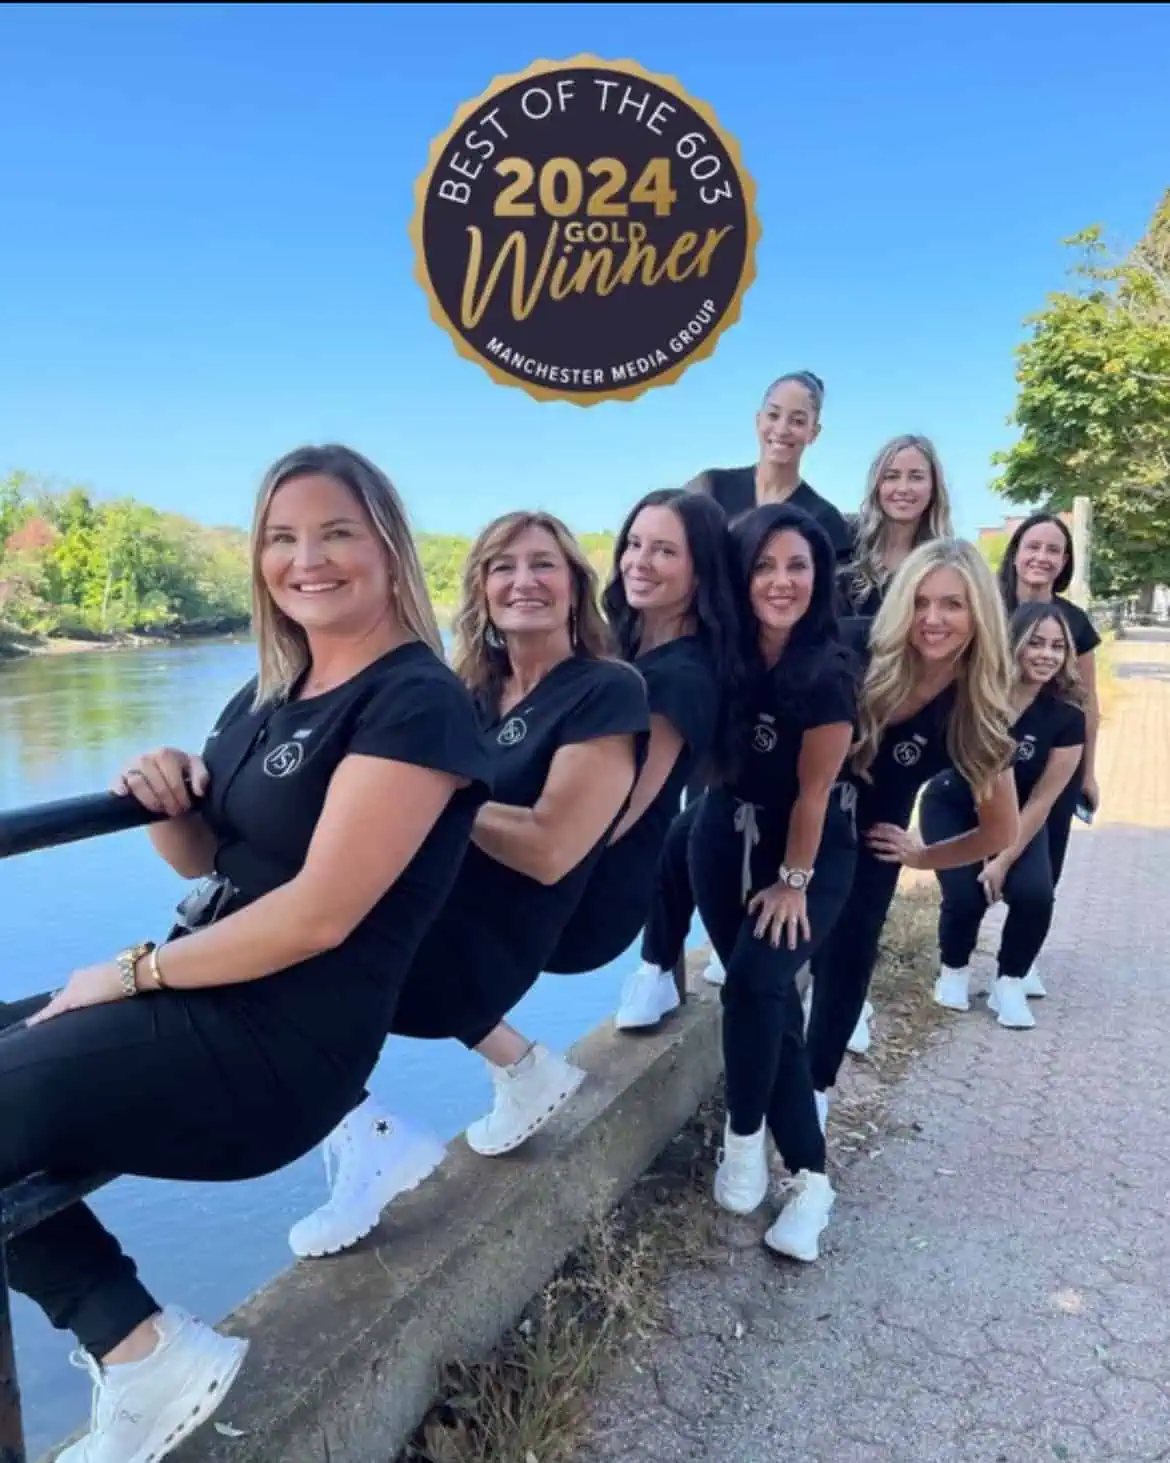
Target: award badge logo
<point x="585" y="230"/>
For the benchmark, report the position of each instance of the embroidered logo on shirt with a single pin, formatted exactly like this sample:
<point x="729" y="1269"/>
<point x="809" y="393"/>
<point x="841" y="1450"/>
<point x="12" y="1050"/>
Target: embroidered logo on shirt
<point x="906" y="754"/>
<point x="1026" y="749"/>
<point x="514" y="730"/>
<point x="284" y="760"/>
<point x="764" y="734"/>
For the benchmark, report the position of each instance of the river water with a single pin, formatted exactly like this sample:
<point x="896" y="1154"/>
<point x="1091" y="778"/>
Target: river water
<point x="67" y="723"/>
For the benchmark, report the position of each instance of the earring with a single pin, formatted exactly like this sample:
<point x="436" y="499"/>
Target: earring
<point x="573" y="628"/>
<point x="491" y="637"/>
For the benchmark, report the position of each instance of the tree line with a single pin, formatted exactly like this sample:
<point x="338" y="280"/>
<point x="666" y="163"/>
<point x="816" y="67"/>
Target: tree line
<point x="75" y="567"/>
<point x="1093" y="406"/>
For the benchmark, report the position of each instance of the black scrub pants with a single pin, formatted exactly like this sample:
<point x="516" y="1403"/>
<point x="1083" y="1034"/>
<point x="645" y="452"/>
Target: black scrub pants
<point x="169" y="1085"/>
<point x="1029" y="894"/>
<point x="1059" y="823"/>
<point x="673" y="905"/>
<point x="765" y="1057"/>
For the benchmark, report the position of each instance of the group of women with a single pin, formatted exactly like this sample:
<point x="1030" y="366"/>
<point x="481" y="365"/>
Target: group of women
<point x="388" y="843"/>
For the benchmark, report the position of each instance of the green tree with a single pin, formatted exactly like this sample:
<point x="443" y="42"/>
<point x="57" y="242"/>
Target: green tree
<point x="1094" y="406"/>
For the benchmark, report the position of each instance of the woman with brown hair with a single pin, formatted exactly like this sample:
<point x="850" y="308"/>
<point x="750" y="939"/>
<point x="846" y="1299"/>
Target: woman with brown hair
<point x="327" y="814"/>
<point x="1050" y="738"/>
<point x="565" y="725"/>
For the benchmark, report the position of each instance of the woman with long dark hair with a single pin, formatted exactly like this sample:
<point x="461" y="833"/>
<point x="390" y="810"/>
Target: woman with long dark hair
<point x="670" y="604"/>
<point x="565" y="725"/>
<point x="772" y="856"/>
<point x="1038" y="566"/>
<point x="1050" y="737"/>
<point x="787" y="423"/>
<point x="934" y="696"/>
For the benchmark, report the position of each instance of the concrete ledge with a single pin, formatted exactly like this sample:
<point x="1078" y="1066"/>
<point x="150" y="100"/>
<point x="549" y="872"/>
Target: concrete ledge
<point x="346" y="1351"/>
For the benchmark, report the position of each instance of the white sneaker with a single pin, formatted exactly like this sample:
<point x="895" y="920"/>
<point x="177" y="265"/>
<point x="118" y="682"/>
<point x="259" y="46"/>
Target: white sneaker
<point x="1010" y="1003"/>
<point x="952" y="989"/>
<point x="859" y="1042"/>
<point x="142" y="1410"/>
<point x="369" y="1160"/>
<point x="528" y="1093"/>
<point x="802" y="1220"/>
<point x="1033" y="985"/>
<point x="741" y="1180"/>
<point x="822" y="1099"/>
<point x="713" y="972"/>
<point x="648" y="995"/>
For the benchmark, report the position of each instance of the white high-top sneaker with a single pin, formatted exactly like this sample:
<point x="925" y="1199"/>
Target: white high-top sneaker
<point x="952" y="989"/>
<point x="370" y="1159"/>
<point x="713" y="972"/>
<point x="528" y="1094"/>
<point x="142" y="1410"/>
<point x="1033" y="985"/>
<point x="1009" y="1001"/>
<point x="648" y="995"/>
<point x="796" y="1233"/>
<point x="860" y="1041"/>
<point x="822" y="1100"/>
<point x="741" y="1180"/>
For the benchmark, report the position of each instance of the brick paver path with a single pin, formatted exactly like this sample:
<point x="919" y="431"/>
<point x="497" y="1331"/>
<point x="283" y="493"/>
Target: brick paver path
<point x="993" y="1287"/>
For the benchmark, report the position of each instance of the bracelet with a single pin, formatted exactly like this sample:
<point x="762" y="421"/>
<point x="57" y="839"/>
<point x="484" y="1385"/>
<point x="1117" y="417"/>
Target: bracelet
<point x="127" y="962"/>
<point x="155" y="972"/>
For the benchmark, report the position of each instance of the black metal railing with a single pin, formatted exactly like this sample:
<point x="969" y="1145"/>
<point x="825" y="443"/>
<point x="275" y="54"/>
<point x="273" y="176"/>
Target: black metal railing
<point x="32" y="1200"/>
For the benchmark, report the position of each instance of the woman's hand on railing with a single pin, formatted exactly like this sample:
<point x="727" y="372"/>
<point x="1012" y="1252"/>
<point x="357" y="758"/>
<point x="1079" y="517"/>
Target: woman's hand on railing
<point x="165" y="781"/>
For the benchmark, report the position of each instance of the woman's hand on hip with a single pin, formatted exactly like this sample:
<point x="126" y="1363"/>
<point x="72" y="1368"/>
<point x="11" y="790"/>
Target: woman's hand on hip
<point x="164" y="781"/>
<point x="779" y="909"/>
<point x="890" y="844"/>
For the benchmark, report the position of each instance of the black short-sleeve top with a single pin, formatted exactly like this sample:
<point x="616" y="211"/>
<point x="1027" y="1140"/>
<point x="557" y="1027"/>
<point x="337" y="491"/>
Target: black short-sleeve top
<point x="580" y="700"/>
<point x="1084" y="634"/>
<point x="821" y="693"/>
<point x="1046" y="725"/>
<point x="270" y="770"/>
<point x="734" y="489"/>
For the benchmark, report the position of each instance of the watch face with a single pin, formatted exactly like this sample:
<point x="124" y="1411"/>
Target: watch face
<point x="796" y="879"/>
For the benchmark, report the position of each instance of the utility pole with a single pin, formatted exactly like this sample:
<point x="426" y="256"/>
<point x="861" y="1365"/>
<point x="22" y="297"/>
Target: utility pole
<point x="1082" y="534"/>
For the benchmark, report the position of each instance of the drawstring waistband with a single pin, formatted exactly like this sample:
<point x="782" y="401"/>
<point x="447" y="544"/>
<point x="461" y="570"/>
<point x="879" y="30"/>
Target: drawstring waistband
<point x="745" y="824"/>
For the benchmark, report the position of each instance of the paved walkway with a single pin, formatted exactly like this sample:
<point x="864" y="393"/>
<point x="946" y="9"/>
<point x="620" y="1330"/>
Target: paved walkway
<point x="993" y="1286"/>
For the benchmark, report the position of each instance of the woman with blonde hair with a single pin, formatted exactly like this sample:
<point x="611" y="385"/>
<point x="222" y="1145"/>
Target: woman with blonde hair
<point x="906" y="503"/>
<point x="565" y="725"/>
<point x="328" y="813"/>
<point x="1049" y="731"/>
<point x="934" y="696"/>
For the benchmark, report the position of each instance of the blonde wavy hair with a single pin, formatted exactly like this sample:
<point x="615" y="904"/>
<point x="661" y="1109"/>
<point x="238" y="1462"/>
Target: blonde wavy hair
<point x="480" y="656"/>
<point x="1066" y="683"/>
<point x="867" y="571"/>
<point x="979" y="738"/>
<point x="282" y="644"/>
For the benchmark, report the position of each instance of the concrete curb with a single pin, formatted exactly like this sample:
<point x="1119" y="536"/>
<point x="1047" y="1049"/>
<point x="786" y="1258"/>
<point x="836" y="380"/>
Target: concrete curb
<point x="346" y="1351"/>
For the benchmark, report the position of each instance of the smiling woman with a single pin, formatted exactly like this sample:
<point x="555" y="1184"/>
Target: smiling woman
<point x="329" y="810"/>
<point x="565" y="727"/>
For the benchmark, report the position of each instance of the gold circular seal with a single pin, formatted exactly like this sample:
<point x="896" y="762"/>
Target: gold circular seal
<point x="585" y="230"/>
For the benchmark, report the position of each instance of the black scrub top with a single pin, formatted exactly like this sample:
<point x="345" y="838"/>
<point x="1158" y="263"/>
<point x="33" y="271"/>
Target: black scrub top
<point x="499" y="927"/>
<point x="769" y="766"/>
<point x="734" y="489"/>
<point x="1084" y="635"/>
<point x="909" y="755"/>
<point x="270" y="771"/>
<point x="682" y="688"/>
<point x="1048" y="723"/>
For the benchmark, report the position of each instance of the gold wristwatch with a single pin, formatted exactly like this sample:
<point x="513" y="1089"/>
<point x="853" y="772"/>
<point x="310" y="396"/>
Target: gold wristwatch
<point x="127" y="961"/>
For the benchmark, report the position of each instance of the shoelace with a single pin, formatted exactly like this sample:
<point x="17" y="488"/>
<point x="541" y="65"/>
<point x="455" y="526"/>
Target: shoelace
<point x="85" y="1363"/>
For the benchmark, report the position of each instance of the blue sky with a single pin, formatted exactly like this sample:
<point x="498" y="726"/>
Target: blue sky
<point x="204" y="259"/>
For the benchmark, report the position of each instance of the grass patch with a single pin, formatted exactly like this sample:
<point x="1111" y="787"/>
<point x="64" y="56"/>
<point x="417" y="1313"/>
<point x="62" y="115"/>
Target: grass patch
<point x="530" y="1401"/>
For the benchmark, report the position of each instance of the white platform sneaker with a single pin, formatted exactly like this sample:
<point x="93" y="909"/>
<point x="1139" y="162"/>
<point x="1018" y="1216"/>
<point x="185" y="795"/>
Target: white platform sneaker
<point x="370" y="1159"/>
<point x="797" y="1231"/>
<point x="648" y="995"/>
<point x="527" y="1095"/>
<point x="1009" y="1001"/>
<point x="741" y="1180"/>
<point x="952" y="989"/>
